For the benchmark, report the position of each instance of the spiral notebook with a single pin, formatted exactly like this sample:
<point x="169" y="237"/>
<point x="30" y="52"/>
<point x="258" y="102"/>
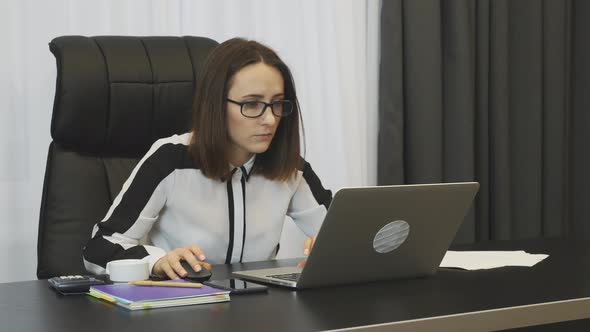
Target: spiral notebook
<point x="135" y="297"/>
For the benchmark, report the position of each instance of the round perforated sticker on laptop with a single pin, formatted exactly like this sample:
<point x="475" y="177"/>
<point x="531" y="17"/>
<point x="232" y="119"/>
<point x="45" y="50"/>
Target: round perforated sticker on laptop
<point x="391" y="236"/>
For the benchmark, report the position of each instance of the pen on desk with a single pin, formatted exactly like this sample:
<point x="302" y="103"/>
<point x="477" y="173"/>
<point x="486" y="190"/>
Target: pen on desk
<point x="102" y="297"/>
<point x="166" y="284"/>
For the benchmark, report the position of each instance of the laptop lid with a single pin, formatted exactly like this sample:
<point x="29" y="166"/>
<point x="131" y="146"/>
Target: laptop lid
<point x="384" y="232"/>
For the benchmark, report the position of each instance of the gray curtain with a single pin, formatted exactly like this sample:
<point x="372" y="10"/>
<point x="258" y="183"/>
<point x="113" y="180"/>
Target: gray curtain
<point x="496" y="92"/>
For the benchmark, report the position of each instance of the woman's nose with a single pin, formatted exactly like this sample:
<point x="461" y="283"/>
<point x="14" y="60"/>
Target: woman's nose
<point x="267" y="117"/>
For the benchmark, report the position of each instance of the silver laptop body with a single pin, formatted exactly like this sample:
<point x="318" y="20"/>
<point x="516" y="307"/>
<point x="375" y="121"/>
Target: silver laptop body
<point x="379" y="233"/>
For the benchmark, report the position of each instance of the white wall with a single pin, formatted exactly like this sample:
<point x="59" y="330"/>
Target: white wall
<point x="330" y="45"/>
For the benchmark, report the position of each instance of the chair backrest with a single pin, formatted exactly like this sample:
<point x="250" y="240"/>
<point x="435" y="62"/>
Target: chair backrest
<point x="114" y="96"/>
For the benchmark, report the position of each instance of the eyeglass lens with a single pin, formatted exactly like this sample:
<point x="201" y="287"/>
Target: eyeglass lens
<point x="255" y="109"/>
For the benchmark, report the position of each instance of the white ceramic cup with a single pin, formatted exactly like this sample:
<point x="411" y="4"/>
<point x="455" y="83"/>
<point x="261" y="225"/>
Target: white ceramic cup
<point x="125" y="270"/>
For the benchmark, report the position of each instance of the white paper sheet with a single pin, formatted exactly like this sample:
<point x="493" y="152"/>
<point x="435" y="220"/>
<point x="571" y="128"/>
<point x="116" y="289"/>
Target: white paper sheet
<point x="476" y="260"/>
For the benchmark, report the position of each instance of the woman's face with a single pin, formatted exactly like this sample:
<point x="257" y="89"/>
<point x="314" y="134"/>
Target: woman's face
<point x="248" y="136"/>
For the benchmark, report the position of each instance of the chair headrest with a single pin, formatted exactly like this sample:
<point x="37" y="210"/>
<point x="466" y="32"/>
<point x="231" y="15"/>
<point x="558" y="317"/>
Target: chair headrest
<point x="115" y="95"/>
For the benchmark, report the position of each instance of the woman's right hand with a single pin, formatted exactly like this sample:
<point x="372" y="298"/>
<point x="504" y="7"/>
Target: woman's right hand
<point x="169" y="265"/>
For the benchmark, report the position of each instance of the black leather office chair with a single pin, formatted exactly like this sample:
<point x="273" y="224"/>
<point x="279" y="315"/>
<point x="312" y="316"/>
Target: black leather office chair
<point x="114" y="97"/>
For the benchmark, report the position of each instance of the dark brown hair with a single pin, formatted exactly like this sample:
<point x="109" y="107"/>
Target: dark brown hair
<point x="210" y="140"/>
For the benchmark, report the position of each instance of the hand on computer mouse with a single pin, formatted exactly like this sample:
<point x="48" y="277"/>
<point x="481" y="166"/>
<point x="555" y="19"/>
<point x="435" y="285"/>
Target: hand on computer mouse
<point x="203" y="275"/>
<point x="170" y="264"/>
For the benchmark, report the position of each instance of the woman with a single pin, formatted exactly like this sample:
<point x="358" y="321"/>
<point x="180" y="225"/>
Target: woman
<point x="220" y="193"/>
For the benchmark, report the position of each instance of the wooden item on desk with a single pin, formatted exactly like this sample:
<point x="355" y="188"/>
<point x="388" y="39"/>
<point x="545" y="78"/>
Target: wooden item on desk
<point x="166" y="283"/>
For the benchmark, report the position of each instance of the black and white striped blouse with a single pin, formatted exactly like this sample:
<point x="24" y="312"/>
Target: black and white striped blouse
<point x="168" y="203"/>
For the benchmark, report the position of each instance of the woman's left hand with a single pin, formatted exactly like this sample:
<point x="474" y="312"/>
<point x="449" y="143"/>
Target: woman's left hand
<point x="307" y="246"/>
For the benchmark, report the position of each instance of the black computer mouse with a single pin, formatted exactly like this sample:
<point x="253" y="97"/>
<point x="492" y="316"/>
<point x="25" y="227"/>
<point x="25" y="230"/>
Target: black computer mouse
<point x="193" y="275"/>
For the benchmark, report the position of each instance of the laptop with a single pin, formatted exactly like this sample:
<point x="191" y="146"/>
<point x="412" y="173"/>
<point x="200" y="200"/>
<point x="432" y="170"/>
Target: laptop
<point x="379" y="233"/>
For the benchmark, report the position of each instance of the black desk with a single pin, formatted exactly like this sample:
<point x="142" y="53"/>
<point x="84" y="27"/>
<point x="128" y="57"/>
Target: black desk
<point x="557" y="289"/>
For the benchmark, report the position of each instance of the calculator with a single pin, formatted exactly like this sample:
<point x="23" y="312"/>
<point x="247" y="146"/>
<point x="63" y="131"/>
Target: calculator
<point x="74" y="284"/>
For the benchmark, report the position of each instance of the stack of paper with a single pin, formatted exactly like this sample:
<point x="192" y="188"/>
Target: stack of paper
<point x="475" y="260"/>
<point x="146" y="297"/>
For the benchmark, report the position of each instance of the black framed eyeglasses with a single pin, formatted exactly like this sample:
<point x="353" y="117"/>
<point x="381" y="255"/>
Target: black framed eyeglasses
<point x="254" y="109"/>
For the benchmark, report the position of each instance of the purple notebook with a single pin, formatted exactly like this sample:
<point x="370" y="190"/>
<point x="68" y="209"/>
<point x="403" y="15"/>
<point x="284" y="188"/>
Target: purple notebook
<point x="132" y="293"/>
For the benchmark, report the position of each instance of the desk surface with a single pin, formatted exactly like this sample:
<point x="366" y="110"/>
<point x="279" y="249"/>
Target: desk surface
<point x="557" y="289"/>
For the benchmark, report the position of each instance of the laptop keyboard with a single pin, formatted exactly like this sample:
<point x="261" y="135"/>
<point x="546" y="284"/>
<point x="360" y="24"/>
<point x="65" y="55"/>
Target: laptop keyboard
<point x="286" y="276"/>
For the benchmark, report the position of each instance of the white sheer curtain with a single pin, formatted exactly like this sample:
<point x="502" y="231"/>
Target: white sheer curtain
<point x="330" y="45"/>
